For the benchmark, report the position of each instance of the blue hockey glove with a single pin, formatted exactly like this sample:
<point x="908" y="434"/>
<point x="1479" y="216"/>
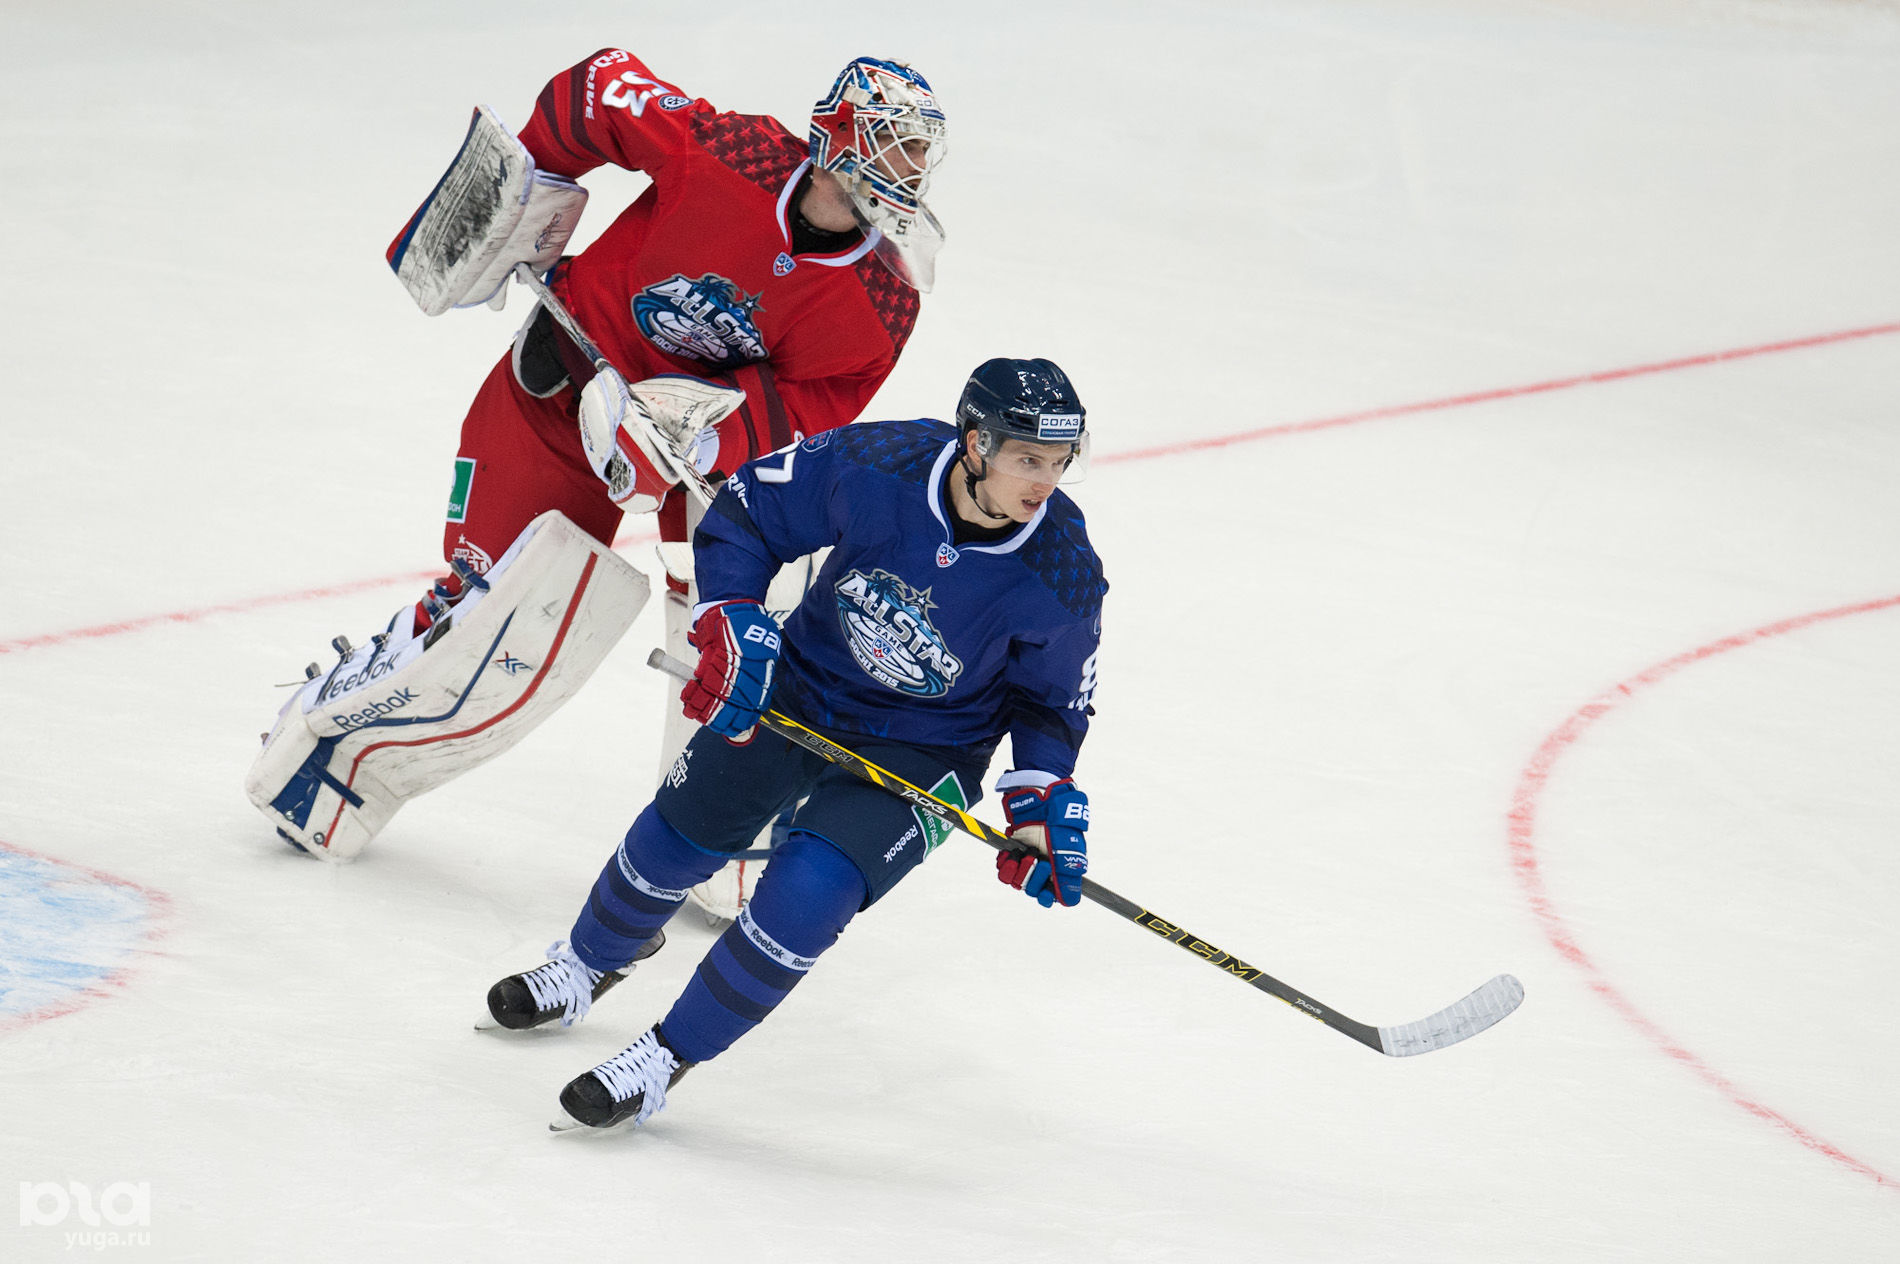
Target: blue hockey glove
<point x="1049" y="815"/>
<point x="738" y="646"/>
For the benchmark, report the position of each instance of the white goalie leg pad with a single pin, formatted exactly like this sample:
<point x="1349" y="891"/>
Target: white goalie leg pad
<point x="677" y="558"/>
<point x="721" y="896"/>
<point x="403" y="715"/>
<point x="490" y="211"/>
<point x="726" y="892"/>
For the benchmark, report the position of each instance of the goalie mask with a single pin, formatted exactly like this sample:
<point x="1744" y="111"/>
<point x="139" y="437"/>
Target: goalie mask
<point x="1031" y="400"/>
<point x="880" y="132"/>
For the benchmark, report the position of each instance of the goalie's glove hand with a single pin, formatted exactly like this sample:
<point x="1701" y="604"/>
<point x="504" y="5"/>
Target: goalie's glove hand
<point x="738" y="646"/>
<point x="624" y="444"/>
<point x="688" y="411"/>
<point x="1049" y="816"/>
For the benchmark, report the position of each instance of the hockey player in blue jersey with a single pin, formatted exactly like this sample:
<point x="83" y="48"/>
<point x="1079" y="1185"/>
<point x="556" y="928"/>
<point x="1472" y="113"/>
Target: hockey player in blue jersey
<point x="961" y="604"/>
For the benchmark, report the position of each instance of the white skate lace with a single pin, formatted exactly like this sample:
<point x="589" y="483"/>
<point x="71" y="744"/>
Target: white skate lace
<point x="563" y="981"/>
<point x="644" y="1067"/>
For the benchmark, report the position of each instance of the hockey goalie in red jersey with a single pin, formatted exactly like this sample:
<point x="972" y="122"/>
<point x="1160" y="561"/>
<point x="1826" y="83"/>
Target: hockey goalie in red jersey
<point x="757" y="293"/>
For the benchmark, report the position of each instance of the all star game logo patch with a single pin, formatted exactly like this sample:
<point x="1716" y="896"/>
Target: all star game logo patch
<point x="887" y="625"/>
<point x="709" y="320"/>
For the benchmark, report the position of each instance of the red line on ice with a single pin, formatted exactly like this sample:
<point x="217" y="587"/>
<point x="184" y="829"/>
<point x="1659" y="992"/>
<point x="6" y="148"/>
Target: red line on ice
<point x="243" y="607"/>
<point x="206" y="612"/>
<point x="1491" y="396"/>
<point x="1138" y="454"/>
<point x="1523" y="849"/>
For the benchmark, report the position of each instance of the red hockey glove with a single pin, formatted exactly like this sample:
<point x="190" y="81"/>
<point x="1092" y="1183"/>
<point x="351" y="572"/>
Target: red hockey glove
<point x="738" y="646"/>
<point x="1049" y="816"/>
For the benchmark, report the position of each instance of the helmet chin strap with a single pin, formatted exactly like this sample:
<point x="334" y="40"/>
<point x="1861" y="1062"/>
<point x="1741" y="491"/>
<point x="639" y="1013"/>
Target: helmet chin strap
<point x="970" y="481"/>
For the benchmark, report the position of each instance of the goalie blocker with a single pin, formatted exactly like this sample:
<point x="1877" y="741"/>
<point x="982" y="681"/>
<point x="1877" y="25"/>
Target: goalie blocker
<point x="490" y="211"/>
<point x="405" y="714"/>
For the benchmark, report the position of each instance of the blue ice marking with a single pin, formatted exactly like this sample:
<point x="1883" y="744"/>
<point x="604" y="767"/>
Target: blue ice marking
<point x="63" y="932"/>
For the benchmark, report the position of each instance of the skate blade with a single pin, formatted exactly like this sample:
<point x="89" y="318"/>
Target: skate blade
<point x="564" y="1124"/>
<point x="554" y="1027"/>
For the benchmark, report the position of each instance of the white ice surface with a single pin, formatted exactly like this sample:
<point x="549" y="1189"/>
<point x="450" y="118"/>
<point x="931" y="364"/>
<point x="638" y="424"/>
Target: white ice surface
<point x="1331" y="656"/>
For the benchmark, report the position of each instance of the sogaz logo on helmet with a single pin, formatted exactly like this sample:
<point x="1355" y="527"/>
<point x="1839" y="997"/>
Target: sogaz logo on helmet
<point x="887" y="624"/>
<point x="1059" y="426"/>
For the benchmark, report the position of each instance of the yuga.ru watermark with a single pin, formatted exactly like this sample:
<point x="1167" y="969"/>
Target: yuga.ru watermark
<point x="118" y="1215"/>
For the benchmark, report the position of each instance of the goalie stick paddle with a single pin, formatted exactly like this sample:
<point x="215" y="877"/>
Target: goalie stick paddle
<point x="1483" y="1008"/>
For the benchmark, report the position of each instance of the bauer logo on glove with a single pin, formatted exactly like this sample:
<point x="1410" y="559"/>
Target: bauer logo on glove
<point x="1048" y="814"/>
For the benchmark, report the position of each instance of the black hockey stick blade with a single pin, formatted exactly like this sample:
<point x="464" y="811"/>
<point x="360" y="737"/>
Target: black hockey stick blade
<point x="1483" y="1008"/>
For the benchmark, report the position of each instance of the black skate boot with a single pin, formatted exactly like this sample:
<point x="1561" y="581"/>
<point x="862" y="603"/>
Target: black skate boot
<point x="630" y="1085"/>
<point x="564" y="988"/>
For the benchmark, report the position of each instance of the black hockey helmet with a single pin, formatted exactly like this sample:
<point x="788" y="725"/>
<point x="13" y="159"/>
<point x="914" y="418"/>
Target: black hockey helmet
<point x="1031" y="400"/>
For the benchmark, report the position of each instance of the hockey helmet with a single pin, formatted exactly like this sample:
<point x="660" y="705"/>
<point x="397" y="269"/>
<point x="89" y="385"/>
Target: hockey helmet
<point x="1031" y="400"/>
<point x="879" y="130"/>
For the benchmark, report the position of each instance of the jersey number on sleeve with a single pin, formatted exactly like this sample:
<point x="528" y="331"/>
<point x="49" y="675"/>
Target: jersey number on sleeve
<point x="1087" y="688"/>
<point x="632" y="92"/>
<point x="783" y="474"/>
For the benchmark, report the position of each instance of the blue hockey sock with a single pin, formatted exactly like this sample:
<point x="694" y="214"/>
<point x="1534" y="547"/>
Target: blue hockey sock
<point x="807" y="894"/>
<point x="642" y="885"/>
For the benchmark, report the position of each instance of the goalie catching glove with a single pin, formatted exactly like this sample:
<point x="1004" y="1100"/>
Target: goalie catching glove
<point x="1049" y="815"/>
<point x="738" y="644"/>
<point x="634" y="435"/>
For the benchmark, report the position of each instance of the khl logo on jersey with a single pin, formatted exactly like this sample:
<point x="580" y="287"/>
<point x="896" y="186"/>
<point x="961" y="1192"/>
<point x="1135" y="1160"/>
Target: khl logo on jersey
<point x="887" y="625"/>
<point x="709" y="320"/>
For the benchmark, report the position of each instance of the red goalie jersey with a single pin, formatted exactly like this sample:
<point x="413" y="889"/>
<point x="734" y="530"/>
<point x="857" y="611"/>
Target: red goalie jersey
<point x="700" y="275"/>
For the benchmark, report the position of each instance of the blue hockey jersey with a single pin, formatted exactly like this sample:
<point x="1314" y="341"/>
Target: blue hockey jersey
<point x="907" y="635"/>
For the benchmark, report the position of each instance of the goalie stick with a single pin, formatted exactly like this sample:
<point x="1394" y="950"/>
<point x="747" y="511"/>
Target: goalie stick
<point x="682" y="469"/>
<point x="1462" y="1020"/>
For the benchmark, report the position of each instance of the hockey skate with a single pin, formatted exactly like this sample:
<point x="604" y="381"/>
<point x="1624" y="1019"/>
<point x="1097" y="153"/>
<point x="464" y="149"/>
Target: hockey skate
<point x="564" y="988"/>
<point x="631" y="1085"/>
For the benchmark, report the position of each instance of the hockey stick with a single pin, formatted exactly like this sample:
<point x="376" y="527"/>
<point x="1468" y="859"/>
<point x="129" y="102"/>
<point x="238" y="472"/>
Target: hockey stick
<point x="1460" y="1021"/>
<point x="682" y="470"/>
